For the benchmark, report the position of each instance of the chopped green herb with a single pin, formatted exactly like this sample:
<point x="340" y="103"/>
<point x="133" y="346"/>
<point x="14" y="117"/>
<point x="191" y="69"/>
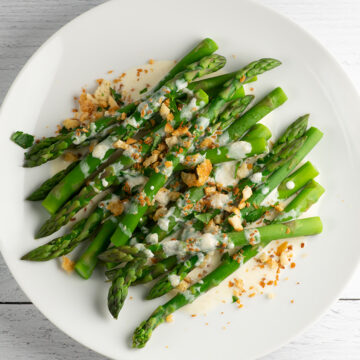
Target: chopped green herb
<point x="238" y="164"/>
<point x="206" y="217"/>
<point x="116" y="96"/>
<point x="235" y="299"/>
<point x="22" y="139"/>
<point x="144" y="90"/>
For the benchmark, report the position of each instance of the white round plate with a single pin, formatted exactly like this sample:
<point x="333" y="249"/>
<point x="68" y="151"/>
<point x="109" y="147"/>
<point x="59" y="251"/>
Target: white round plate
<point x="118" y="35"/>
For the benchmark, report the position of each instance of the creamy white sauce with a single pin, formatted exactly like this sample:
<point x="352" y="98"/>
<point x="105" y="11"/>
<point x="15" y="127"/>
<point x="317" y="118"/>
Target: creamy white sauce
<point x="131" y="151"/>
<point x="101" y="149"/>
<point x="225" y="174"/>
<point x="256" y="178"/>
<point x="193" y="160"/>
<point x="148" y="253"/>
<point x="117" y="167"/>
<point x="238" y="150"/>
<point x="152" y="238"/>
<point x="219" y="200"/>
<point x="78" y="139"/>
<point x="181" y="84"/>
<point x="164" y="221"/>
<point x="166" y="170"/>
<point x="131" y="121"/>
<point x="188" y="110"/>
<point x="124" y="229"/>
<point x="202" y="122"/>
<point x="271" y="199"/>
<point x="85" y="169"/>
<point x="133" y="208"/>
<point x="173" y="247"/>
<point x="207" y="242"/>
<point x="224" y="138"/>
<point x="287" y="216"/>
<point x="136" y="180"/>
<point x="290" y="185"/>
<point x="174" y="280"/>
<point x="163" y="196"/>
<point x="250" y="273"/>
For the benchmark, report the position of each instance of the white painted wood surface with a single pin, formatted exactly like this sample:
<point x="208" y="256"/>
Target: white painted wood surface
<point x="24" y="332"/>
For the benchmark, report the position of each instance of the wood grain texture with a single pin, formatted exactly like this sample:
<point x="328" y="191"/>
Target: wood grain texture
<point x="24" y="26"/>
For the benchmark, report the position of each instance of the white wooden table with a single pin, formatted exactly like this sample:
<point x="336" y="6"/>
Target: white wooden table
<point x="24" y="332"/>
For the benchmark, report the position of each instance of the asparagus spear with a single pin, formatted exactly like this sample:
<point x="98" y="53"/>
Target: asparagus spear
<point x="101" y="153"/>
<point x="307" y="197"/>
<point x="205" y="48"/>
<point x="297" y="180"/>
<point x="313" y="136"/>
<point x="303" y="227"/>
<point x="120" y="285"/>
<point x="80" y="232"/>
<point x="41" y="192"/>
<point x="214" y="83"/>
<point x="97" y="129"/>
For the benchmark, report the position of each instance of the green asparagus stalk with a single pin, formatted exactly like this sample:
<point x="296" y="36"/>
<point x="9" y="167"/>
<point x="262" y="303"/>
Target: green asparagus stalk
<point x="308" y="196"/>
<point x="216" y="82"/>
<point x="297" y="180"/>
<point x="313" y="136"/>
<point x="41" y="192"/>
<point x="80" y="232"/>
<point x="177" y="274"/>
<point x="88" y="260"/>
<point x="256" y="132"/>
<point x="270" y="102"/>
<point x="286" y="147"/>
<point x="97" y="129"/>
<point x="205" y="48"/>
<point x="303" y="227"/>
<point x="120" y="285"/>
<point x="233" y="111"/>
<point x="101" y="153"/>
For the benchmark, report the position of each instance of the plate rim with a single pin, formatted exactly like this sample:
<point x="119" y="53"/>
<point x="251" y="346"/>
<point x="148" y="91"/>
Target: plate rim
<point x="334" y="62"/>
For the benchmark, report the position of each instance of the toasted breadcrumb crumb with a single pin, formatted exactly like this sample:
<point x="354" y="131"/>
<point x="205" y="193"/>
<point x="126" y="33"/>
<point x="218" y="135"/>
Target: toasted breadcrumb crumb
<point x="67" y="264"/>
<point x="70" y="156"/>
